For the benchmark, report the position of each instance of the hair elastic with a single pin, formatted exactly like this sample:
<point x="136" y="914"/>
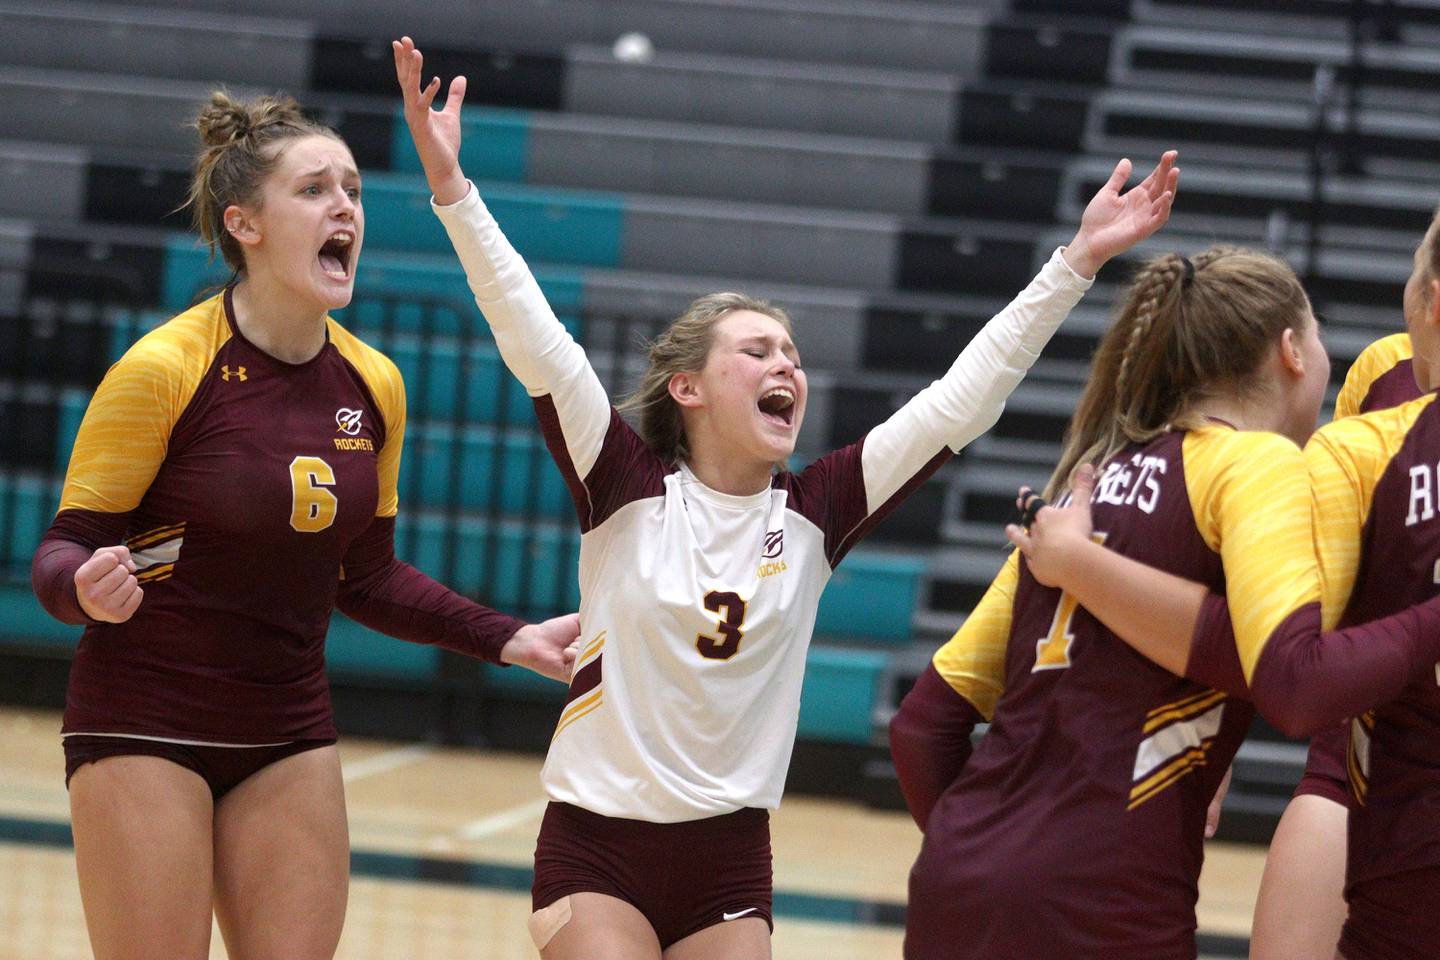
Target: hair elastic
<point x="1189" y="269"/>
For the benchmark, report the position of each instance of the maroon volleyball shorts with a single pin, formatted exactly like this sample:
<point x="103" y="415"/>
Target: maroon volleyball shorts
<point x="222" y="768"/>
<point x="683" y="877"/>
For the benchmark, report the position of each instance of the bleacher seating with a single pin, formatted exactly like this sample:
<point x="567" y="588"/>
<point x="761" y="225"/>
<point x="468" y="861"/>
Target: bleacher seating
<point x="891" y="172"/>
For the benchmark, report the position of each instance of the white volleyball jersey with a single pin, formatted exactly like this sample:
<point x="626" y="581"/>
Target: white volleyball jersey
<point x="697" y="606"/>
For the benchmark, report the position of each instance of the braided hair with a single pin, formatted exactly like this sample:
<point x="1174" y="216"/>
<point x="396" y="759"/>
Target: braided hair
<point x="1187" y="329"/>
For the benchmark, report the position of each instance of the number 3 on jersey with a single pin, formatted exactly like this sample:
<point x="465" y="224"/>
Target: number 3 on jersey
<point x="732" y="610"/>
<point x="1052" y="651"/>
<point x="312" y="506"/>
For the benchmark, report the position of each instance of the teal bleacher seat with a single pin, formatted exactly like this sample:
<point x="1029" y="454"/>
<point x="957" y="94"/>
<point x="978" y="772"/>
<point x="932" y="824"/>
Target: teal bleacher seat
<point x="871" y="596"/>
<point x="535" y="565"/>
<point x="355" y="650"/>
<point x="73" y="403"/>
<point x="838" y="698"/>
<point x="494" y="144"/>
<point x="517" y="682"/>
<point x="27" y="505"/>
<point x="442" y="384"/>
<point x="528" y="483"/>
<point x="24" y="621"/>
<point x="583" y="228"/>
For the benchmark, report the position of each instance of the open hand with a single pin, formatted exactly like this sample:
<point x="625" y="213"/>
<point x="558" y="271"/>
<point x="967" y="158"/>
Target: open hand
<point x="1050" y="540"/>
<point x="436" y="133"/>
<point x="1113" y="222"/>
<point x="106" y="586"/>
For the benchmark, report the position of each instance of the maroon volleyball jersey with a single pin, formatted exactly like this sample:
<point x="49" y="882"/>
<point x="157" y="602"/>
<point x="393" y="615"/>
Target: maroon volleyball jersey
<point x="1375" y="481"/>
<point x="247" y="489"/>
<point x="1085" y="802"/>
<point x="1382" y="376"/>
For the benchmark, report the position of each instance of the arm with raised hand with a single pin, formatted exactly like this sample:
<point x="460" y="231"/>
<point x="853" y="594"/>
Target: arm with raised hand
<point x="969" y="399"/>
<point x="533" y="342"/>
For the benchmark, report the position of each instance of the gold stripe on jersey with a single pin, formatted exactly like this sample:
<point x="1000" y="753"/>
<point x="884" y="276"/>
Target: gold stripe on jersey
<point x="155" y="535"/>
<point x="1181" y="703"/>
<point x="156" y="551"/>
<point x="1374" y="361"/>
<point x="973" y="660"/>
<point x="1190" y="707"/>
<point x="1248" y="492"/>
<point x="1181" y="766"/>
<point x="1174" y="739"/>
<point x="595" y="646"/>
<point x="125" y="433"/>
<point x="1346" y="460"/>
<point x="583" y="707"/>
<point x="162" y="572"/>
<point x="388" y="389"/>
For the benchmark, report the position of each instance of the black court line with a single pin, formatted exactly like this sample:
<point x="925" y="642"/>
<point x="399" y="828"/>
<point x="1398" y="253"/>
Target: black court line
<point x="511" y="879"/>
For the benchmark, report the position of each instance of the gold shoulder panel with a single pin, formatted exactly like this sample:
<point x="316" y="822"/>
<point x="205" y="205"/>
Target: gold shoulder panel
<point x="1346" y="460"/>
<point x="1250" y="495"/>
<point x="1374" y="362"/>
<point x="973" y="660"/>
<point x="125" y="434"/>
<point x="388" y="388"/>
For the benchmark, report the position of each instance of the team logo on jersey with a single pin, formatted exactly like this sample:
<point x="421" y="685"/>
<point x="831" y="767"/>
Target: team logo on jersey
<point x="347" y="421"/>
<point x="771" y="564"/>
<point x="226" y="373"/>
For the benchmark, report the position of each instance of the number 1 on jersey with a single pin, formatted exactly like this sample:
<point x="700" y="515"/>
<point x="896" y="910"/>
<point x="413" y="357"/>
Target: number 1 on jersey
<point x="1052" y="651"/>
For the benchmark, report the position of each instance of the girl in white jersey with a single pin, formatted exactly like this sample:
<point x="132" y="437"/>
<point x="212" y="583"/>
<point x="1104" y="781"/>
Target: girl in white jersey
<point x="701" y="567"/>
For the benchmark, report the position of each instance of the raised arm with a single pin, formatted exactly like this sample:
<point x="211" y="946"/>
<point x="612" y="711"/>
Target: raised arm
<point x="968" y="400"/>
<point x="533" y="342"/>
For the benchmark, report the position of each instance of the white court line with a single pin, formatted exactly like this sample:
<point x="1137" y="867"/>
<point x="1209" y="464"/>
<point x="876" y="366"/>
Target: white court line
<point x="504" y="820"/>
<point x="387" y="761"/>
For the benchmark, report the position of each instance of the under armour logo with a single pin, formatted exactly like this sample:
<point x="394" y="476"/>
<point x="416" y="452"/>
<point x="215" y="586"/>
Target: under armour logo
<point x="348" y="421"/>
<point x="774" y="544"/>
<point x="226" y="373"/>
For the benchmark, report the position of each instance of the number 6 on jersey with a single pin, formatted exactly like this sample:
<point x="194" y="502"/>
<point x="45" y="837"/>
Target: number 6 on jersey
<point x="312" y="506"/>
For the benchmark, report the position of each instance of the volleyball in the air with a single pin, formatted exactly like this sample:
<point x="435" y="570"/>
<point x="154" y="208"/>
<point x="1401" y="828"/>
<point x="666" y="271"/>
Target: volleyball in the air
<point x="633" y="47"/>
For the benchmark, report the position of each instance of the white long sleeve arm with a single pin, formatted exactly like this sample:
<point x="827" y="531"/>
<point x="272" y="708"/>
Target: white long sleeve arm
<point x="968" y="400"/>
<point x="533" y="342"/>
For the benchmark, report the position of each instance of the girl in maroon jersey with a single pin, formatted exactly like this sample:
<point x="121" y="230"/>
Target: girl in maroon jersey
<point x="1075" y="827"/>
<point x="1301" y="904"/>
<point x="234" y="481"/>
<point x="1369" y="480"/>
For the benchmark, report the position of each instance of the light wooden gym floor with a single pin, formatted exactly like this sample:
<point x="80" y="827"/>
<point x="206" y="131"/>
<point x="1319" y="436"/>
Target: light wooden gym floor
<point x="442" y="843"/>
